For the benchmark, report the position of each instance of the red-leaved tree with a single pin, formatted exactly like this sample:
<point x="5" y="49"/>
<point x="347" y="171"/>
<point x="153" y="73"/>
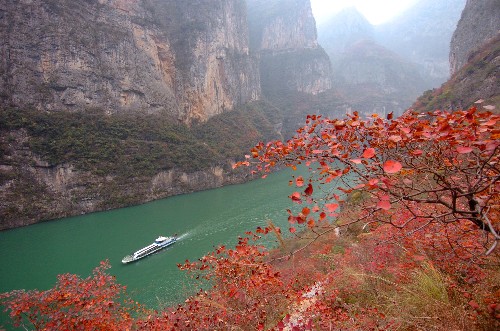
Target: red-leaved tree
<point x="93" y="303"/>
<point x="418" y="172"/>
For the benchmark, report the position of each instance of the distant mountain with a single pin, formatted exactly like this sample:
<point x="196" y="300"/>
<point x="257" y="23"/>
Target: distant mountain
<point x="422" y="35"/>
<point x="375" y="79"/>
<point x="370" y="77"/>
<point x="343" y="30"/>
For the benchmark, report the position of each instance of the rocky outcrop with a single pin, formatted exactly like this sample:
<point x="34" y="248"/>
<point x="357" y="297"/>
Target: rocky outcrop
<point x="283" y="33"/>
<point x="187" y="59"/>
<point x="479" y="23"/>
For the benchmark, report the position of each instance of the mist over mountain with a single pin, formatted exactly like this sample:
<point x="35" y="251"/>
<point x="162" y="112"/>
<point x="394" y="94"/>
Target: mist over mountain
<point x="395" y="61"/>
<point x="474" y="63"/>
<point x="342" y="30"/>
<point x="422" y="35"/>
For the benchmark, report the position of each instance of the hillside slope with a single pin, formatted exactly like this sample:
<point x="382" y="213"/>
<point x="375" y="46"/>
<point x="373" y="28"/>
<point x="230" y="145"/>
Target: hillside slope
<point x="476" y="80"/>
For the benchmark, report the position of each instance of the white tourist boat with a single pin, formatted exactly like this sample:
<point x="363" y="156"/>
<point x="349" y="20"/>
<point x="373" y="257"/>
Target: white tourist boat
<point x="160" y="243"/>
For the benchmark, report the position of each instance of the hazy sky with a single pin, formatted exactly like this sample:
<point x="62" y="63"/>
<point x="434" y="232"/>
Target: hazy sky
<point x="376" y="11"/>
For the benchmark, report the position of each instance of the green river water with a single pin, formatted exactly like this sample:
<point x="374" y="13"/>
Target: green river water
<point x="32" y="257"/>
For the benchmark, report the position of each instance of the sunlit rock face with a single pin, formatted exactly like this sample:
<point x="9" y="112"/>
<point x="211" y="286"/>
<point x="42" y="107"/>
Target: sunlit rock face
<point x="480" y="23"/>
<point x="283" y="34"/>
<point x="188" y="59"/>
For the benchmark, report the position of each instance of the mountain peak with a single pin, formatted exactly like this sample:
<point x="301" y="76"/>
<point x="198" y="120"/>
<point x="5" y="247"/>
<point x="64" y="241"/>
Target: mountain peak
<point x="343" y="30"/>
<point x="347" y="16"/>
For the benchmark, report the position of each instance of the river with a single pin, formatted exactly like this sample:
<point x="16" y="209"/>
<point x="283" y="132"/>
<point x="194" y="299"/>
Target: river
<point x="32" y="257"/>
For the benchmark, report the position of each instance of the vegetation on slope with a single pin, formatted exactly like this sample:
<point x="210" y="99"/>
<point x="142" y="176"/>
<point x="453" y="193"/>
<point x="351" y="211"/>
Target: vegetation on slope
<point x="128" y="144"/>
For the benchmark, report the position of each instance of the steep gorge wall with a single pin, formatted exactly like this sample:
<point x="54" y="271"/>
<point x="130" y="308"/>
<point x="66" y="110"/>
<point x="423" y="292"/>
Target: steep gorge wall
<point x="188" y="59"/>
<point x="480" y="22"/>
<point x="283" y="33"/>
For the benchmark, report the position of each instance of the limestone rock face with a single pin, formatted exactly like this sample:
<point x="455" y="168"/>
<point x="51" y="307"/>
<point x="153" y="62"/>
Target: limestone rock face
<point x="283" y="33"/>
<point x="189" y="59"/>
<point x="479" y="23"/>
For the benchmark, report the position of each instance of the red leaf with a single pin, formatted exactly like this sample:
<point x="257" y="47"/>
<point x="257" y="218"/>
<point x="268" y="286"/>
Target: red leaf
<point x="299" y="181"/>
<point x="369" y="153"/>
<point x="395" y="138"/>
<point x="372" y="183"/>
<point x="474" y="304"/>
<point x="310" y="223"/>
<point x="295" y="196"/>
<point x="306" y="211"/>
<point x="292" y="230"/>
<point x="308" y="190"/>
<point x="357" y="161"/>
<point x="331" y="206"/>
<point x="391" y="166"/>
<point x="464" y="149"/>
<point x="384" y="204"/>
<point x="490" y="122"/>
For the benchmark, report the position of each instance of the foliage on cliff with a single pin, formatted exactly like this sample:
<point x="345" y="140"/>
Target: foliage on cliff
<point x="419" y="228"/>
<point x="125" y="144"/>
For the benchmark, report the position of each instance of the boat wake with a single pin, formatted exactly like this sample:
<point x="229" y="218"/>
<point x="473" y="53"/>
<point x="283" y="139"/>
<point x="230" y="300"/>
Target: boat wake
<point x="183" y="236"/>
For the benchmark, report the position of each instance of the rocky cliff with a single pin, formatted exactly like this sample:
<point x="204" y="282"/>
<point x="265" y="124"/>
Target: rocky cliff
<point x="480" y="22"/>
<point x="189" y="59"/>
<point x="110" y="103"/>
<point x="477" y="80"/>
<point x="283" y="34"/>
